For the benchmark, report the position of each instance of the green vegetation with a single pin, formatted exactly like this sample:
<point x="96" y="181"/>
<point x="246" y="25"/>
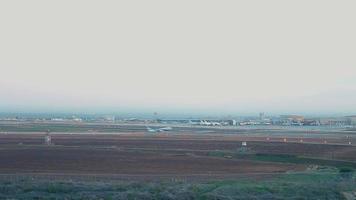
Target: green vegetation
<point x="284" y="158"/>
<point x="328" y="184"/>
<point x="346" y="170"/>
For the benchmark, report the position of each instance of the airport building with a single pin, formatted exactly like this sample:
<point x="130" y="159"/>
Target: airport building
<point x="335" y="121"/>
<point x="232" y="122"/>
<point x="351" y="120"/>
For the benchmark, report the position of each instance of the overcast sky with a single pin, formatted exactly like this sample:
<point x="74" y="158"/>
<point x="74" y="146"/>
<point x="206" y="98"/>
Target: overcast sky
<point x="231" y="56"/>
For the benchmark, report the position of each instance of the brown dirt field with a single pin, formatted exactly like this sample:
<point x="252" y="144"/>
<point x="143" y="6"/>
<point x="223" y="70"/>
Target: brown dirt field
<point x="123" y="155"/>
<point x="191" y="143"/>
<point x="148" y="155"/>
<point x="110" y="161"/>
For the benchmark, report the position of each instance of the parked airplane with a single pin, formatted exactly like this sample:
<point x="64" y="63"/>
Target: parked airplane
<point x="152" y="130"/>
<point x="204" y="123"/>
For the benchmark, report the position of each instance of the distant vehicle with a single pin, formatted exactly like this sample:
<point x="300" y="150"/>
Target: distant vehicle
<point x="152" y="130"/>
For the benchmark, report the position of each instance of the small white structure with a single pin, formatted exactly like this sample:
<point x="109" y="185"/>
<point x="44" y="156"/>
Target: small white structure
<point x="285" y="140"/>
<point x="243" y="148"/>
<point x="48" y="139"/>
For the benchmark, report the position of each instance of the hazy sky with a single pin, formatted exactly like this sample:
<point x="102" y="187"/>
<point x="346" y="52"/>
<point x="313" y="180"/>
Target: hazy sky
<point x="233" y="56"/>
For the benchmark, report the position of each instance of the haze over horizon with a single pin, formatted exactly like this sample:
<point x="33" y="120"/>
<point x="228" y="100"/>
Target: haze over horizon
<point x="178" y="56"/>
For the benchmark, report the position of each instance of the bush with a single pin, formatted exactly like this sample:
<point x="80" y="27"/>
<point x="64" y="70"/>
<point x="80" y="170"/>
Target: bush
<point x="346" y="170"/>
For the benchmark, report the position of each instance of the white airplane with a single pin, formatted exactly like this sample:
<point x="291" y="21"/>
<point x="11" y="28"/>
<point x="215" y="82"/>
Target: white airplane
<point x="206" y="123"/>
<point x="193" y="123"/>
<point x="151" y="130"/>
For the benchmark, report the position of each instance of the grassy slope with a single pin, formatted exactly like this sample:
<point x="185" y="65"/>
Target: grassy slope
<point x="324" y="185"/>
